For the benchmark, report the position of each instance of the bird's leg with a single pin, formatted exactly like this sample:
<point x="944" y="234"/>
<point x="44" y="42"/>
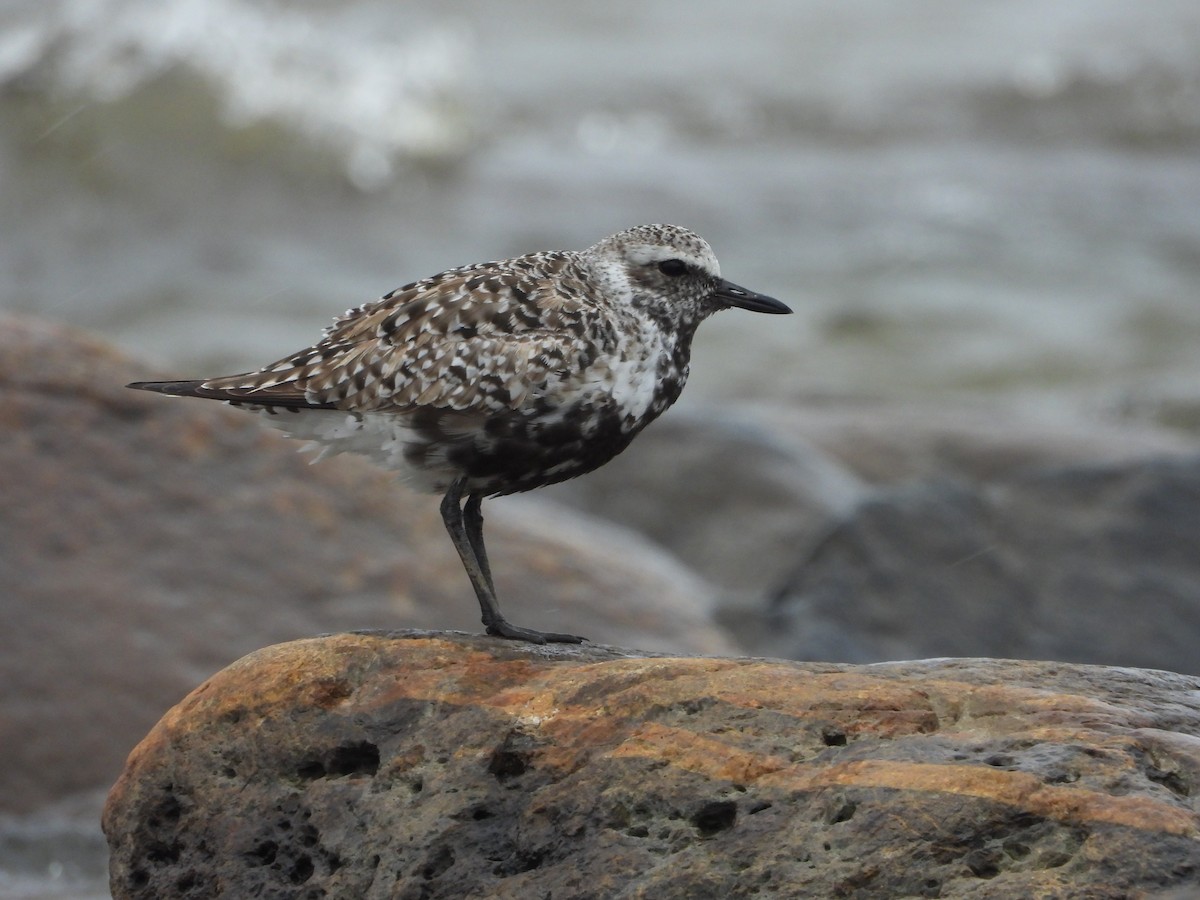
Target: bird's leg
<point x="473" y="520"/>
<point x="466" y="531"/>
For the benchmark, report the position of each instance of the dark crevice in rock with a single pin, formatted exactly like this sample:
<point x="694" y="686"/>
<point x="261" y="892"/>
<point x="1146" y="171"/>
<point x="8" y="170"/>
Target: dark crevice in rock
<point x="1172" y="781"/>
<point x="715" y="816"/>
<point x="187" y="882"/>
<point x="506" y="764"/>
<point x="833" y="737"/>
<point x="1162" y="768"/>
<point x="312" y="770"/>
<point x="512" y="758"/>
<point x="439" y="861"/>
<point x="1053" y="859"/>
<point x="302" y="870"/>
<point x="360" y="758"/>
<point x="262" y="855"/>
<point x="523" y="861"/>
<point x="166" y="812"/>
<point x="842" y="812"/>
<point x="983" y="863"/>
<point x="161" y="853"/>
<point x="355" y="759"/>
<point x="1016" y="849"/>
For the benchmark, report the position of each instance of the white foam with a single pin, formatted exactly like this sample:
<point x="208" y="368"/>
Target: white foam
<point x="370" y="98"/>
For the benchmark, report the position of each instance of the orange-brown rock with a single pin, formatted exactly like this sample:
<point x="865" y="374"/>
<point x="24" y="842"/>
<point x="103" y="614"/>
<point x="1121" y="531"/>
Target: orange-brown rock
<point x="419" y="765"/>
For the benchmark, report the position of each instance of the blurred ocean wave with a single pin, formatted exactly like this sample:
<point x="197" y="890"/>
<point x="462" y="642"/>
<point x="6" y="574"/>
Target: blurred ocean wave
<point x="368" y="99"/>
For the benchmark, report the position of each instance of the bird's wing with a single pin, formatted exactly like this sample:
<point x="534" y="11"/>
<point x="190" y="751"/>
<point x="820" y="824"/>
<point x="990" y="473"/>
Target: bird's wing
<point x="479" y="339"/>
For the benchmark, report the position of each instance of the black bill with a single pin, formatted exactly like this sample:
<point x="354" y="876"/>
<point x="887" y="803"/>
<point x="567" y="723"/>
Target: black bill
<point x="744" y="299"/>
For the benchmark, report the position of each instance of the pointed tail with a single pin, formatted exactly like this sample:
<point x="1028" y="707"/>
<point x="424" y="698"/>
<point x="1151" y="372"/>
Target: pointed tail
<point x="284" y="396"/>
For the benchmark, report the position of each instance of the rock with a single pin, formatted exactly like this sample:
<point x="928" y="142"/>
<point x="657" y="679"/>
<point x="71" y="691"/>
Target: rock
<point x="890" y="443"/>
<point x="1094" y="564"/>
<point x="440" y="766"/>
<point x="736" y="492"/>
<point x="145" y="542"/>
<point x="722" y="492"/>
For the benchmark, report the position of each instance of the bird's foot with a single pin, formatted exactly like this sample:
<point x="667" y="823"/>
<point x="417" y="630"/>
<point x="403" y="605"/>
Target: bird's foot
<point x="505" y="629"/>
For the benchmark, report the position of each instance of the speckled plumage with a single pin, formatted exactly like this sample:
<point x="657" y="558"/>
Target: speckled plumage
<point x="502" y="376"/>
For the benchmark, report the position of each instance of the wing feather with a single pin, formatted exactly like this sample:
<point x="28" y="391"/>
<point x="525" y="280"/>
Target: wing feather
<point x="479" y="339"/>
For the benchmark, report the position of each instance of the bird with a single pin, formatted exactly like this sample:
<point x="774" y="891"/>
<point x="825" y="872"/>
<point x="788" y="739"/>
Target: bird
<point x="499" y="377"/>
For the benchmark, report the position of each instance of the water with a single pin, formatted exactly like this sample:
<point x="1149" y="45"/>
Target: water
<point x="989" y="199"/>
<point x="57" y="853"/>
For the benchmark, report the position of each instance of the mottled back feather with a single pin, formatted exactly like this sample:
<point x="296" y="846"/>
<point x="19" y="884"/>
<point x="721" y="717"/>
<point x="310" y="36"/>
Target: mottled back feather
<point x="480" y="338"/>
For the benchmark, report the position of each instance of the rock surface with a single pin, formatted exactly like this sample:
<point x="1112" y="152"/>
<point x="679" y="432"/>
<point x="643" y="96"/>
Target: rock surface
<point x="1097" y="564"/>
<point x="446" y="766"/>
<point x="146" y="542"/>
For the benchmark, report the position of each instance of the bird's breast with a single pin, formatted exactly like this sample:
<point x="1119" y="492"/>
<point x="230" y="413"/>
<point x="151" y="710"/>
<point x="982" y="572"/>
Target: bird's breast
<point x="636" y="377"/>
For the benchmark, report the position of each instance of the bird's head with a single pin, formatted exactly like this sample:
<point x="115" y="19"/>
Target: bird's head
<point x="671" y="269"/>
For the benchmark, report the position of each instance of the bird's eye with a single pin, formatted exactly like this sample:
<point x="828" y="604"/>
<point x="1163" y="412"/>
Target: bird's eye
<point x="672" y="268"/>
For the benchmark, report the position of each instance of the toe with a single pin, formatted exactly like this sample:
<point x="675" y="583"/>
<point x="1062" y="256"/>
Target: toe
<point x="516" y="633"/>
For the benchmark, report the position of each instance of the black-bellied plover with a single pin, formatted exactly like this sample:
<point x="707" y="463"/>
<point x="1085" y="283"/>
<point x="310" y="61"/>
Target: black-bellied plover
<point x="500" y="377"/>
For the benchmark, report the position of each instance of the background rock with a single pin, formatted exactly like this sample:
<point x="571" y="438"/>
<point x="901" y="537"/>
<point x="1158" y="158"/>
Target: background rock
<point x="1089" y="563"/>
<point x="145" y="543"/>
<point x="448" y="766"/>
<point x="722" y="491"/>
<point x="897" y="442"/>
<point x="736" y="493"/>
